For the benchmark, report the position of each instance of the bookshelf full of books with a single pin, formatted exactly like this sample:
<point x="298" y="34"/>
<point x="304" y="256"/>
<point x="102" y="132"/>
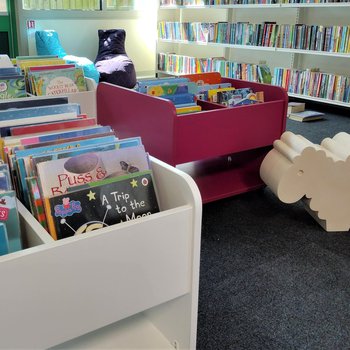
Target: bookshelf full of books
<point x="303" y="46"/>
<point x="99" y="241"/>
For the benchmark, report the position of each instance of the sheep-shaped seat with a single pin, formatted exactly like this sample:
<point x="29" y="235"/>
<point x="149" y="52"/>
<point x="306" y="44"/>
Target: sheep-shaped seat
<point x="318" y="174"/>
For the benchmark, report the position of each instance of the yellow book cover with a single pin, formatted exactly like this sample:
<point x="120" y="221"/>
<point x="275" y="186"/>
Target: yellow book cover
<point x="49" y="219"/>
<point x="188" y="109"/>
<point x="212" y="94"/>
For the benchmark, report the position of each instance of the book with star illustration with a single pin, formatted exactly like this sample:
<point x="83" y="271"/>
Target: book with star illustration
<point x="102" y="203"/>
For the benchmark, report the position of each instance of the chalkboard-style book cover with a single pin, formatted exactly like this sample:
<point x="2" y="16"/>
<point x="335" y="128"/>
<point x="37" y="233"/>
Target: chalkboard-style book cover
<point x="103" y="203"/>
<point x="9" y="217"/>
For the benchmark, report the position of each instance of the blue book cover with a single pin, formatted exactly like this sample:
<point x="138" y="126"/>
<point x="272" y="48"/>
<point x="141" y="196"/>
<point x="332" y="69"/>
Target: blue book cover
<point x="4" y="242"/>
<point x="9" y="71"/>
<point x="65" y="146"/>
<point x="66" y="135"/>
<point x="9" y="217"/>
<point x="142" y="85"/>
<point x="180" y="98"/>
<point x="30" y="112"/>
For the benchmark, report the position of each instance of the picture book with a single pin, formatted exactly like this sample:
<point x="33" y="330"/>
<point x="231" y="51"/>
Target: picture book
<point x="5" y="61"/>
<point x="101" y="204"/>
<point x="25" y="102"/>
<point x="4" y="242"/>
<point x="9" y="217"/>
<point x="65" y="135"/>
<point x="306" y="116"/>
<point x="55" y="126"/>
<point x="180" y="98"/>
<point x="237" y="97"/>
<point x="30" y="112"/>
<point x="58" y="81"/>
<point x="212" y="93"/>
<point x="57" y="175"/>
<point x="12" y="87"/>
<point x="171" y="89"/>
<point x="294" y="107"/>
<point x="202" y="90"/>
<point x="5" y="178"/>
<point x="204" y="78"/>
<point x="188" y="109"/>
<point x="36" y="204"/>
<point x="6" y="71"/>
<point x="143" y="85"/>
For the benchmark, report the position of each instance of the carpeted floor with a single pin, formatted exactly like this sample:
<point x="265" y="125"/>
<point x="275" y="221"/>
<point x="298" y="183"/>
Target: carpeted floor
<point x="271" y="278"/>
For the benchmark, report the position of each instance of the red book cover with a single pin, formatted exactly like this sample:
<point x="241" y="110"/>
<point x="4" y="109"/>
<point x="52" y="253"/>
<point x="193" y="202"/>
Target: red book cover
<point x="52" y="67"/>
<point x="80" y="122"/>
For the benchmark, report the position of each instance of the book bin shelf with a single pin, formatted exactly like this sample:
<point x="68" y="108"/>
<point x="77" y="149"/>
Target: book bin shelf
<point x="221" y="148"/>
<point x="126" y="286"/>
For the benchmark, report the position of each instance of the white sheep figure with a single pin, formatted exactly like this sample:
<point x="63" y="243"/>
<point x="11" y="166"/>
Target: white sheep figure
<point x="318" y="174"/>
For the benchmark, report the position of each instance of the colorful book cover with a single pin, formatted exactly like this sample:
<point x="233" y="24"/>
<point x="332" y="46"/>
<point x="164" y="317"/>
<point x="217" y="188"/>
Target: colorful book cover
<point x="65" y="135"/>
<point x="32" y="112"/>
<point x="142" y="85"/>
<point x="57" y="175"/>
<point x="9" y="217"/>
<point x="180" y="98"/>
<point x="12" y="87"/>
<point x="4" y="242"/>
<point x="26" y="166"/>
<point x="102" y="204"/>
<point x="5" y="71"/>
<point x="35" y="201"/>
<point x="188" y="109"/>
<point x="55" y="126"/>
<point x="58" y="82"/>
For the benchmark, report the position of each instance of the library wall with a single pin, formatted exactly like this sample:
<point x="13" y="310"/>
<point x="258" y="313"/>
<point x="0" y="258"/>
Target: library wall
<point x="77" y="31"/>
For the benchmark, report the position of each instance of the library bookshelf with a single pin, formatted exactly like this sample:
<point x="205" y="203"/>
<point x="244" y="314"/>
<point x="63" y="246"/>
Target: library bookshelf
<point x="289" y="58"/>
<point x="133" y="285"/>
<point x="221" y="148"/>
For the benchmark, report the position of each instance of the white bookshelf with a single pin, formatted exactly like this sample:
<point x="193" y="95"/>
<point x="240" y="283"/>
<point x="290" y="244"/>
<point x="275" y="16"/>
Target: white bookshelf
<point x="133" y="285"/>
<point x="310" y="13"/>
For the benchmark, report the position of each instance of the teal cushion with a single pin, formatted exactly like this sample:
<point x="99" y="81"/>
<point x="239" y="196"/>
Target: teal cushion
<point x="48" y="43"/>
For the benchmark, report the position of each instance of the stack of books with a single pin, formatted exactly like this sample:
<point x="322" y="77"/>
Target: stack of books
<point x="296" y="111"/>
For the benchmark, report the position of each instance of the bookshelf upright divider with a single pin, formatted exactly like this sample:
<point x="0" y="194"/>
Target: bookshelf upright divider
<point x="297" y="60"/>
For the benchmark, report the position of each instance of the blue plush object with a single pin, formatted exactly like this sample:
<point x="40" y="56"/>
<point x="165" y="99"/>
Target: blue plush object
<point x="48" y="43"/>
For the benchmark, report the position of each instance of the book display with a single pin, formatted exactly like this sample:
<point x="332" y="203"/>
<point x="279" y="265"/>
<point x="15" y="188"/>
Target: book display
<point x="303" y="47"/>
<point x="143" y="214"/>
<point x="220" y="147"/>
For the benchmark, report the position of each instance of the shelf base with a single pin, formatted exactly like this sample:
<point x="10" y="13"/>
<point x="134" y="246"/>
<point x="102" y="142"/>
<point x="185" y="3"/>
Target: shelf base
<point x="135" y="332"/>
<point x="228" y="175"/>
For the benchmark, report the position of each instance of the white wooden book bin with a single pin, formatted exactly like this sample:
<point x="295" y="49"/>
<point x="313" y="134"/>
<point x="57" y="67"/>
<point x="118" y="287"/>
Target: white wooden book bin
<point x="318" y="174"/>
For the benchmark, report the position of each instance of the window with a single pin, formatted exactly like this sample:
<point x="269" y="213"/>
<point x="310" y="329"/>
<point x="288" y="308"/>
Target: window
<point x="3" y="6"/>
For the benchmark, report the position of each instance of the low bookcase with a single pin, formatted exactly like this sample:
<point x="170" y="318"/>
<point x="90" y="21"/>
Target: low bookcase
<point x="133" y="285"/>
<point x="221" y="148"/>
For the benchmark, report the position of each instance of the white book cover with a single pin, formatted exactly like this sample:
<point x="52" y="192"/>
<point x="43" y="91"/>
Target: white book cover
<point x="56" y="176"/>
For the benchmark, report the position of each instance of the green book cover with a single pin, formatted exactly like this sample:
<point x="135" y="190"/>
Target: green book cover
<point x="12" y="87"/>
